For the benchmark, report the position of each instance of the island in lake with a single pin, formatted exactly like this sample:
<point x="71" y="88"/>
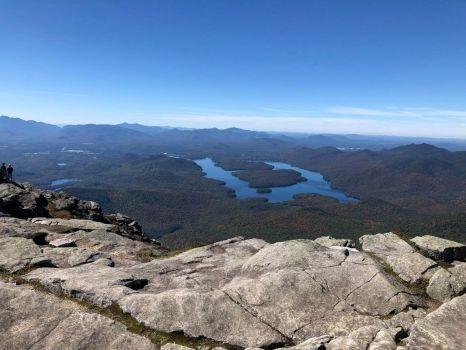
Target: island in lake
<point x="270" y="178"/>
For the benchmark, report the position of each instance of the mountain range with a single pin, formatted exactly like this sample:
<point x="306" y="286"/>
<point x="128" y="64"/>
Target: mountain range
<point x="15" y="130"/>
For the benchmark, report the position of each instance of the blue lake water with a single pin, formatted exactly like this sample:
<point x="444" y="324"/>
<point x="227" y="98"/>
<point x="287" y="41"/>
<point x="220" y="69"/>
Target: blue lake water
<point x="315" y="183"/>
<point x="60" y="182"/>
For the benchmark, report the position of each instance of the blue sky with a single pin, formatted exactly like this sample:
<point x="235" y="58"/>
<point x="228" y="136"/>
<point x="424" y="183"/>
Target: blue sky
<point x="376" y="67"/>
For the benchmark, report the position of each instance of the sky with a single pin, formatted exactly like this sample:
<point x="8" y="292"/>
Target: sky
<point x="388" y="67"/>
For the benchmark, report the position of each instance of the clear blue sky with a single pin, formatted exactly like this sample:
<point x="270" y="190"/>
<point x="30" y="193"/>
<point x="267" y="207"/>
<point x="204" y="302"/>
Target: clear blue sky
<point x="375" y="66"/>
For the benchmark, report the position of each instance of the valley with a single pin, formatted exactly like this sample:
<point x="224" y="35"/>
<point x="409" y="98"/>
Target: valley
<point x="413" y="189"/>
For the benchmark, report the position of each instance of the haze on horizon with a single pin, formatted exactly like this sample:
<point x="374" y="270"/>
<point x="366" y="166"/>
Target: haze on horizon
<point x="366" y="67"/>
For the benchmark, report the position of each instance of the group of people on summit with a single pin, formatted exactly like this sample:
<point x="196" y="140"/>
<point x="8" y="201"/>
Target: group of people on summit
<point x="6" y="173"/>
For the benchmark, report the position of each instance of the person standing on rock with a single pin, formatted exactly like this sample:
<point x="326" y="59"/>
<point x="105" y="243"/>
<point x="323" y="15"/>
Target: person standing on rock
<point x="9" y="172"/>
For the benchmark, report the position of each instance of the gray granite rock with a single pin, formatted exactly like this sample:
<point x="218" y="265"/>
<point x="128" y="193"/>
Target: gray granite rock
<point x="384" y="244"/>
<point x="14" y="227"/>
<point x="328" y="241"/>
<point x="440" y="248"/>
<point x="442" y="328"/>
<point x="95" y="282"/>
<point x="31" y="320"/>
<point x="291" y="290"/>
<point x="243" y="292"/>
<point x="409" y="265"/>
<point x="122" y="250"/>
<point x="22" y="201"/>
<point x="62" y="243"/>
<point x="16" y="253"/>
<point x="173" y="346"/>
<point x="320" y="294"/>
<point x="76" y="224"/>
<point x="316" y="343"/>
<point x="70" y="257"/>
<point x="444" y="285"/>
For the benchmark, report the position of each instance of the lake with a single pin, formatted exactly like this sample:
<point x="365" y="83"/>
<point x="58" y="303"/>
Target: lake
<point x="56" y="184"/>
<point x="315" y="183"/>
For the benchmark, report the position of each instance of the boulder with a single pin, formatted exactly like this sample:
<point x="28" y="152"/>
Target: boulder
<point x="62" y="242"/>
<point x="368" y="337"/>
<point x="384" y="244"/>
<point x="459" y="270"/>
<point x="403" y="321"/>
<point x="440" y="248"/>
<point x="444" y="285"/>
<point x="16" y="253"/>
<point x="29" y="320"/>
<point x="328" y="241"/>
<point x="402" y="258"/>
<point x="442" y="328"/>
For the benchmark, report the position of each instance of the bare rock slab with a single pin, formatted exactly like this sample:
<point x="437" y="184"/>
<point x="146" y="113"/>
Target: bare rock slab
<point x="253" y="294"/>
<point x="440" y="248"/>
<point x="30" y="320"/>
<point x="95" y="282"/>
<point x="70" y="257"/>
<point x="76" y="224"/>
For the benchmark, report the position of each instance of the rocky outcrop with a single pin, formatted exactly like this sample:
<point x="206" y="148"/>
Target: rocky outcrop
<point x="402" y="258"/>
<point x="441" y="248"/>
<point x="301" y="294"/>
<point x="25" y="201"/>
<point x="56" y="208"/>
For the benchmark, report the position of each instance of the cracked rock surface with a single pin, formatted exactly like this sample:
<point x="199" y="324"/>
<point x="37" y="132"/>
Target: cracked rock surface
<point x="402" y="258"/>
<point x="299" y="294"/>
<point x="30" y="320"/>
<point x="244" y="292"/>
